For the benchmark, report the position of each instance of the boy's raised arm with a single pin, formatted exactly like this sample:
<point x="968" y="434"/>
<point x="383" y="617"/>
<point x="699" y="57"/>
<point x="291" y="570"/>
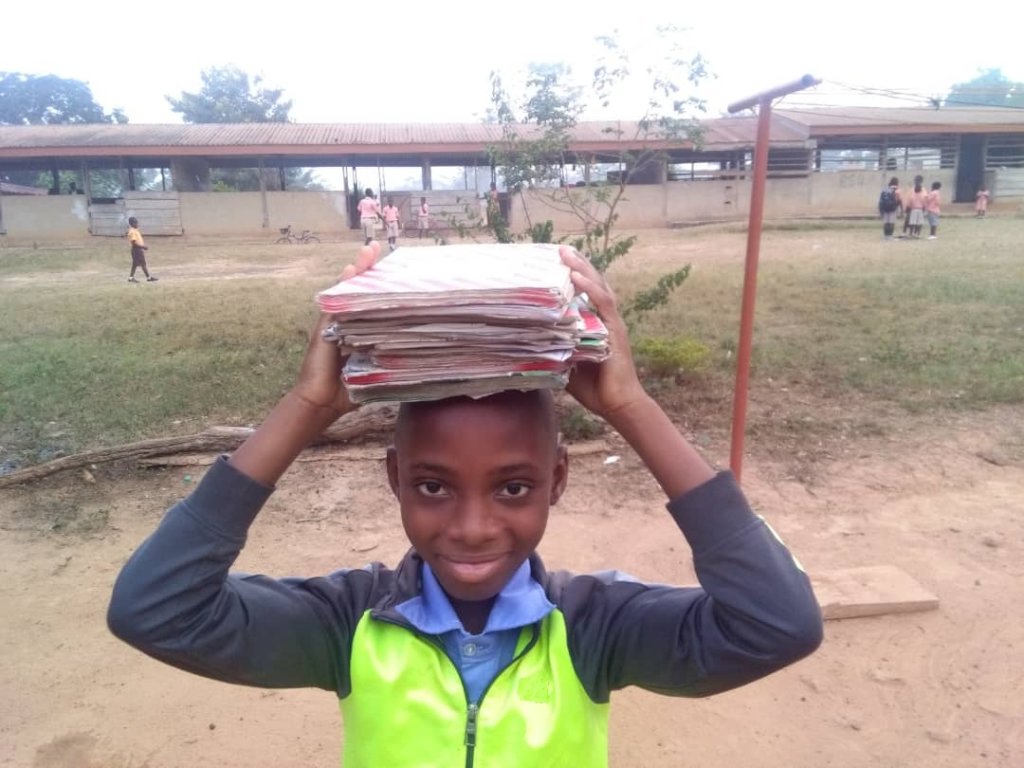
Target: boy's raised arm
<point x="754" y="612"/>
<point x="174" y="598"/>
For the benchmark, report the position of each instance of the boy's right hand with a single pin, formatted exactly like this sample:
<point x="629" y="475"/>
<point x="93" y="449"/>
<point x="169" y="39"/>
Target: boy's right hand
<point x="320" y="383"/>
<point x="313" y="404"/>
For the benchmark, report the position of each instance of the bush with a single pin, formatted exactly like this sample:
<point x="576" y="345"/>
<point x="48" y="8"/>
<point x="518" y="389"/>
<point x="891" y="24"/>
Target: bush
<point x="576" y="423"/>
<point x="677" y="356"/>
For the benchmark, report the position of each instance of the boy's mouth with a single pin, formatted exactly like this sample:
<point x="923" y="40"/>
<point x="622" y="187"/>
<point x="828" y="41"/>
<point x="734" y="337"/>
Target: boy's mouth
<point x="473" y="569"/>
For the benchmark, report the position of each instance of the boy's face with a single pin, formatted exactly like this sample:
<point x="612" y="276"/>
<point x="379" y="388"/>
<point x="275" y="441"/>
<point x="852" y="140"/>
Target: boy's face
<point x="474" y="480"/>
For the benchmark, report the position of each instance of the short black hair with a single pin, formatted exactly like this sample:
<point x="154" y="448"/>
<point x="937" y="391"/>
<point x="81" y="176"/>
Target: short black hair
<point x="936" y="185"/>
<point x="133" y="222"/>
<point x="537" y="402"/>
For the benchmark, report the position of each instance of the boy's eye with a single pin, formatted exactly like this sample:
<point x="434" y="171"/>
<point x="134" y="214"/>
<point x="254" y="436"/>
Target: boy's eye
<point x="514" y="490"/>
<point x="430" y="488"/>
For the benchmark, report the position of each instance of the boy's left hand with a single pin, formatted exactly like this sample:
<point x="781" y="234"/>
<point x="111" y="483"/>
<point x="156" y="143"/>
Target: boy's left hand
<point x="611" y="386"/>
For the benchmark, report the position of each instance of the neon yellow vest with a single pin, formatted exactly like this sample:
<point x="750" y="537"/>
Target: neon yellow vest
<point x="407" y="706"/>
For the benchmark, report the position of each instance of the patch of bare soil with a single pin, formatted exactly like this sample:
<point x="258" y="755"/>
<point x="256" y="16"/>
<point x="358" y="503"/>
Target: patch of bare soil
<point x="942" y="500"/>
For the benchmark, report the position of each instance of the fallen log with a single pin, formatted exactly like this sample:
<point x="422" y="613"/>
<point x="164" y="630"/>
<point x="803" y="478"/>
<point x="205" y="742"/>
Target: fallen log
<point x="366" y="420"/>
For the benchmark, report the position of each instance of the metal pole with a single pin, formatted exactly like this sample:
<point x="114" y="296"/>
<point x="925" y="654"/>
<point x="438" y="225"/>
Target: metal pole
<point x="761" y="148"/>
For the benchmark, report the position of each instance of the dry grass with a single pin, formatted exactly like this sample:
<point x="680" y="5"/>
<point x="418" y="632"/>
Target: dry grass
<point x="845" y="322"/>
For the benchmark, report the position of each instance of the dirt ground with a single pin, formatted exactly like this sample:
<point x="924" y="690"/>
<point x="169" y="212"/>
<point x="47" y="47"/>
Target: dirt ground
<point x="942" y="498"/>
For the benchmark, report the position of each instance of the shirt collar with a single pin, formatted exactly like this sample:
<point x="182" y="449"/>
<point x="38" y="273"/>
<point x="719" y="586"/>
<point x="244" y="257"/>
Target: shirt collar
<point x="521" y="602"/>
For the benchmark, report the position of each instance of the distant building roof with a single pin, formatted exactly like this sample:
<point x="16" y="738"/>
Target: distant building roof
<point x="139" y="140"/>
<point x="886" y="120"/>
<point x="463" y="143"/>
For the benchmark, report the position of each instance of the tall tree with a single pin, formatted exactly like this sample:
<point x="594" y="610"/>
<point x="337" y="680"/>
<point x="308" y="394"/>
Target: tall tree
<point x="990" y="88"/>
<point x="48" y="100"/>
<point x="229" y="95"/>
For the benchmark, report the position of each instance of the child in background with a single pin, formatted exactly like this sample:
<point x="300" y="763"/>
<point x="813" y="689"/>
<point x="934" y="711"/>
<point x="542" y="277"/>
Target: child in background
<point x="915" y="207"/>
<point x="932" y="208"/>
<point x="918" y="181"/>
<point x="890" y="206"/>
<point x="139" y="248"/>
<point x="424" y="217"/>
<point x="393" y="222"/>
<point x="369" y="212"/>
<point x="981" y="202"/>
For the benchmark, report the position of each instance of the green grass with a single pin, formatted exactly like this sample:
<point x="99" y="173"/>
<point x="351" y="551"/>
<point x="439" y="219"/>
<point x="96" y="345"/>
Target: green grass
<point x="923" y="324"/>
<point x="87" y="360"/>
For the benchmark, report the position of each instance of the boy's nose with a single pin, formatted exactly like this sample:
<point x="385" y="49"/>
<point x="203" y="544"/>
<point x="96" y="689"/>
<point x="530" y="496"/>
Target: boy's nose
<point x="473" y="524"/>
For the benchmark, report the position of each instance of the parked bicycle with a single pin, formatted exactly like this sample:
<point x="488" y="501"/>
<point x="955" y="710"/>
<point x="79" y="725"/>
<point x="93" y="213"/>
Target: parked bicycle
<point x="287" y="236"/>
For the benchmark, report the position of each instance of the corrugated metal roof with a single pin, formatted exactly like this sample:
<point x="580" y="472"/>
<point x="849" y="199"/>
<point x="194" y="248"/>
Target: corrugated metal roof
<point x="790" y="128"/>
<point x="346" y="137"/>
<point x="911" y="118"/>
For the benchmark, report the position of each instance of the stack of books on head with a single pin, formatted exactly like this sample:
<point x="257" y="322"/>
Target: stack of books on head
<point x="440" y="321"/>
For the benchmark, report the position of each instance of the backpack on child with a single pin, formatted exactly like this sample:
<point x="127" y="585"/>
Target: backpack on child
<point x="888" y="201"/>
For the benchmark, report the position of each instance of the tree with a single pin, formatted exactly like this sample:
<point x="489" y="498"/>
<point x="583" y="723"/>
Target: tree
<point x="229" y="96"/>
<point x="990" y="88"/>
<point x="534" y="150"/>
<point x="49" y="100"/>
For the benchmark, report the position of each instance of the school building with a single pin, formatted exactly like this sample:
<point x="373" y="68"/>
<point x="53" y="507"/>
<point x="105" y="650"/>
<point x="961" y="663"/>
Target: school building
<point x="822" y="162"/>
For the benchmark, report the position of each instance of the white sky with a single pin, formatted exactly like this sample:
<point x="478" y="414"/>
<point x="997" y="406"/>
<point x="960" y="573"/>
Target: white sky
<point x="429" y="60"/>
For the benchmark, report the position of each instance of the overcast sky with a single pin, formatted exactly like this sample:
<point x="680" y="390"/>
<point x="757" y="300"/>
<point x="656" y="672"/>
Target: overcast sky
<point x="429" y="60"/>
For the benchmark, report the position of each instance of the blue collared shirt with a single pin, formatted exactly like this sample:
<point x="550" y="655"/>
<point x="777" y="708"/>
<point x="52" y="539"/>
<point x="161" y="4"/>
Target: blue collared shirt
<point x="479" y="658"/>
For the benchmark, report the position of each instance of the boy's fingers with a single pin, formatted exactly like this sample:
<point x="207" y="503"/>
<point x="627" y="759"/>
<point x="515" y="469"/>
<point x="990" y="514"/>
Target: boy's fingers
<point x="365" y="260"/>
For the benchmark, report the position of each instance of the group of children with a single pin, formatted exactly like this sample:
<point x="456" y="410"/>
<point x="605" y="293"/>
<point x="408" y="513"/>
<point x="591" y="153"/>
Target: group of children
<point x="370" y="213"/>
<point x="916" y="206"/>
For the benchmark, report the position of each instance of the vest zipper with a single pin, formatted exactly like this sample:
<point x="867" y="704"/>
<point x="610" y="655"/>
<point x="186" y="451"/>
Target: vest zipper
<point x="471" y="712"/>
<point x="472" y="708"/>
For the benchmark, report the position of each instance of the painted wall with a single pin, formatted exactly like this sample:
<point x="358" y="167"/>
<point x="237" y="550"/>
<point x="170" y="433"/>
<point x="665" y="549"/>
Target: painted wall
<point x="241" y="213"/>
<point x="51" y="217"/>
<point x="842" y="193"/>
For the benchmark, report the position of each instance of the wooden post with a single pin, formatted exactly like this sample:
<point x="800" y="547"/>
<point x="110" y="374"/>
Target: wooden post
<point x="425" y="174"/>
<point x="263" y="196"/>
<point x="163" y="180"/>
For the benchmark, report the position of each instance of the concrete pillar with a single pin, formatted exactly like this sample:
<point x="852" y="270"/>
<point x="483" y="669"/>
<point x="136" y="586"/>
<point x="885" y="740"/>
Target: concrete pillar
<point x="263" y="197"/>
<point x="86" y="182"/>
<point x="663" y="180"/>
<point x="426" y="174"/>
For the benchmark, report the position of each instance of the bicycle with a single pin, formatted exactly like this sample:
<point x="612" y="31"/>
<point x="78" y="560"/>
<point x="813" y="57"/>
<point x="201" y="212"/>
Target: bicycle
<point x="287" y="236"/>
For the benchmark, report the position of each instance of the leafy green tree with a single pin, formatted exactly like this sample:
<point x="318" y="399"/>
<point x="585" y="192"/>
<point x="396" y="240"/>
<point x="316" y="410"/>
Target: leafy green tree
<point x="534" y="150"/>
<point x="50" y="100"/>
<point x="27" y="99"/>
<point x="229" y="95"/>
<point x="991" y="88"/>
